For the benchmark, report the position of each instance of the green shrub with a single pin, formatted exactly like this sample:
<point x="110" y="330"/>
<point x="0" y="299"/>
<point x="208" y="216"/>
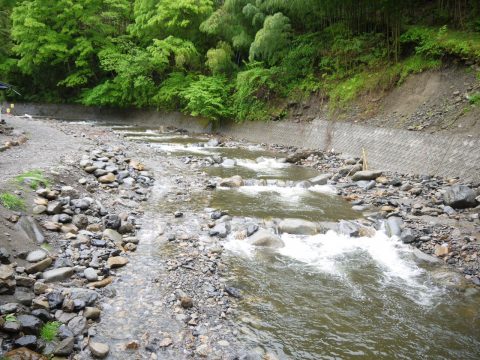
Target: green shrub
<point x="12" y="201"/>
<point x="169" y="96"/>
<point x="208" y="97"/>
<point x="49" y="330"/>
<point x="32" y="178"/>
<point x="474" y="99"/>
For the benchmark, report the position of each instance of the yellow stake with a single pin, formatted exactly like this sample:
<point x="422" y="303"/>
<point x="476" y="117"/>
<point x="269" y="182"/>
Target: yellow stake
<point x="12" y="106"/>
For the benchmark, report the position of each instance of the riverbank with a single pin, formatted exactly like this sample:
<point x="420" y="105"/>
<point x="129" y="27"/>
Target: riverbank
<point x="150" y="243"/>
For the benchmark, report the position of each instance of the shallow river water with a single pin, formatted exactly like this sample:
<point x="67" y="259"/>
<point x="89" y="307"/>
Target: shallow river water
<point x="325" y="296"/>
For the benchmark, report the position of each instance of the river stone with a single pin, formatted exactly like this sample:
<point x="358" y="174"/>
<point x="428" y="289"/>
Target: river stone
<point x="31" y="229"/>
<point x="232" y="182"/>
<point x="24" y="296"/>
<point x="229" y="163"/>
<point x="54" y="207"/>
<point x="394" y="226"/>
<point x="107" y="179"/>
<point x="98" y="350"/>
<point x="8" y="308"/>
<point x="65" y="347"/>
<point x="90" y="274"/>
<point x="82" y="204"/>
<point x="298" y="227"/>
<point x="350" y="169"/>
<point x="460" y="197"/>
<point x="407" y="236"/>
<point x="77" y="325"/>
<point x="320" y="179"/>
<point x="52" y="226"/>
<point x="39" y="266"/>
<point x="110" y="234"/>
<point x="30" y="324"/>
<point x="366" y="175"/>
<point x="80" y="221"/>
<point x="36" y="255"/>
<point x="59" y="274"/>
<point x="28" y="341"/>
<point x="7" y="280"/>
<point x="24" y="354"/>
<point x="91" y="313"/>
<point x="425" y="257"/>
<point x="117" y="261"/>
<point x="221" y="230"/>
<point x="265" y="238"/>
<point x="55" y="299"/>
<point x="39" y="209"/>
<point x="12" y="327"/>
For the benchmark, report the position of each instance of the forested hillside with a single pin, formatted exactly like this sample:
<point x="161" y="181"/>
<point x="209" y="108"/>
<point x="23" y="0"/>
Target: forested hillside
<point x="241" y="59"/>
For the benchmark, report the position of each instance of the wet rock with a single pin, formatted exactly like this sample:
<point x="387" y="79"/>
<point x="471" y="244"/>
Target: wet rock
<point x="298" y="227"/>
<point x="39" y="266"/>
<point x="178" y="214"/>
<point x="30" y="324"/>
<point x="58" y="274"/>
<point x="349" y="228"/>
<point x="251" y="229"/>
<point x="98" y="350"/>
<point x="394" y="226"/>
<point x="266" y="239"/>
<point x="407" y="236"/>
<point x="303" y="184"/>
<point x="320" y="179"/>
<point x="36" y="255"/>
<point x="300" y="155"/>
<point x="221" y="230"/>
<point x="349" y="169"/>
<point x="232" y="182"/>
<point x="366" y="175"/>
<point x="117" y="261"/>
<point x="28" y="341"/>
<point x="460" y="197"/>
<point x="234" y="292"/>
<point x="229" y="163"/>
<point x="65" y="347"/>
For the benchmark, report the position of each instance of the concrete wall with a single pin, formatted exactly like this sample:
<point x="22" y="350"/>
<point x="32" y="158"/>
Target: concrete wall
<point x="387" y="149"/>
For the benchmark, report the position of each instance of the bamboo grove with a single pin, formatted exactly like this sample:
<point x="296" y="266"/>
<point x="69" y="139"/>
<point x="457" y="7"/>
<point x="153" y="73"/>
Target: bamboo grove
<point x="241" y="59"/>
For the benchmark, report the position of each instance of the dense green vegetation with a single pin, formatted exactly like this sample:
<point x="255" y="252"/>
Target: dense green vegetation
<point x="242" y="59"/>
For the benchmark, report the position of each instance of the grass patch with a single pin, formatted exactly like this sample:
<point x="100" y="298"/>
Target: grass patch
<point x="32" y="178"/>
<point x="49" y="331"/>
<point x="10" y="318"/>
<point x="474" y="99"/>
<point x="11" y="201"/>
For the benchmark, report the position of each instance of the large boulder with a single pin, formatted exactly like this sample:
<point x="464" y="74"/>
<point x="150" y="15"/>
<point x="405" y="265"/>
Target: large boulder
<point x="459" y="197"/>
<point x="234" y="181"/>
<point x="298" y="227"/>
<point x="265" y="238"/>
<point x="320" y="179"/>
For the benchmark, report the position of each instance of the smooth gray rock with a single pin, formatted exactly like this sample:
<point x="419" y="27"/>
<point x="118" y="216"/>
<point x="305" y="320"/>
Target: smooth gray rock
<point x="266" y="239"/>
<point x="366" y="175"/>
<point x="394" y="226"/>
<point x="320" y="179"/>
<point x="460" y="197"/>
<point x="221" y="230"/>
<point x="298" y="227"/>
<point x="90" y="274"/>
<point x="407" y="236"/>
<point x="65" y="347"/>
<point x="36" y="255"/>
<point x="86" y="295"/>
<point x="54" y="207"/>
<point x="110" y="234"/>
<point x="58" y="274"/>
<point x="31" y="229"/>
<point x="98" y="350"/>
<point x="30" y="324"/>
<point x="349" y="228"/>
<point x="77" y="325"/>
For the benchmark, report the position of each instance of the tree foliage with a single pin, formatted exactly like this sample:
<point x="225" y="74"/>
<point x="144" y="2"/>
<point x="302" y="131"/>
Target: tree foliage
<point x="229" y="58"/>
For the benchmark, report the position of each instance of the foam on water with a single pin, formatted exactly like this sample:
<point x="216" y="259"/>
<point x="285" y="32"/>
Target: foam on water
<point x="289" y="194"/>
<point x="182" y="148"/>
<point x="263" y="165"/>
<point x="328" y="253"/>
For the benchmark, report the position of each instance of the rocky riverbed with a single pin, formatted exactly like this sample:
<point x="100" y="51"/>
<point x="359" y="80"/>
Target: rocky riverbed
<point x="126" y="254"/>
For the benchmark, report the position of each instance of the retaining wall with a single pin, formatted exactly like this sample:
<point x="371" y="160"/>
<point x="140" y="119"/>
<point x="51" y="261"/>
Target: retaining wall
<point x="387" y="149"/>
